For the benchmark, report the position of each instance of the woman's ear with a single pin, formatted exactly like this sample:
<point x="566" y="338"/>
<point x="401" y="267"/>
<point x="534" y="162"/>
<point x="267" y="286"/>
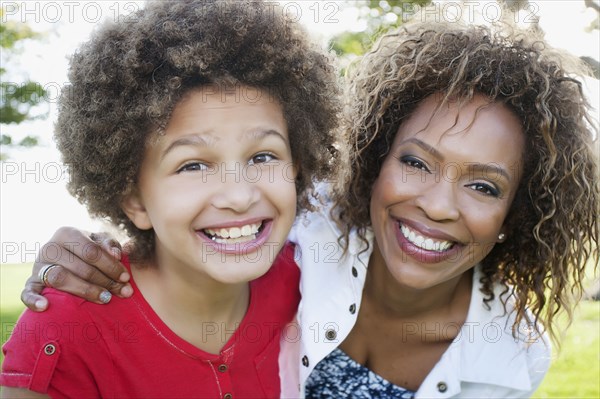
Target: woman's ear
<point x="134" y="208"/>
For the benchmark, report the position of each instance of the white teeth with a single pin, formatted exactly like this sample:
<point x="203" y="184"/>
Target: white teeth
<point x="428" y="244"/>
<point x="234" y="235"/>
<point x="424" y="243"/>
<point x="235" y="232"/>
<point x="232" y="240"/>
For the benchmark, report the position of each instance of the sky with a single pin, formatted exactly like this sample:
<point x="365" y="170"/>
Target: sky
<point x="34" y="201"/>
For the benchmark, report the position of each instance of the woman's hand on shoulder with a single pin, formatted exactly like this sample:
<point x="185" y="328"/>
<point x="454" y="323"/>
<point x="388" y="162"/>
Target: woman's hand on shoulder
<point x="82" y="264"/>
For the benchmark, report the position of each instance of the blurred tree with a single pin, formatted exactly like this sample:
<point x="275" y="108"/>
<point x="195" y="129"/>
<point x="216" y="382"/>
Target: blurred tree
<point x="377" y="17"/>
<point x="16" y="99"/>
<point x="595" y="5"/>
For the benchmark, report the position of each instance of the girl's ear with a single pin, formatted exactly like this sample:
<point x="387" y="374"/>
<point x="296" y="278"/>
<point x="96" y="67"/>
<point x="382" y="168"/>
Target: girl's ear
<point x="296" y="169"/>
<point x="135" y="210"/>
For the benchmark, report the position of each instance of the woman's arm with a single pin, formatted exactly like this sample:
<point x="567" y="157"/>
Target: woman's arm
<point x="89" y="267"/>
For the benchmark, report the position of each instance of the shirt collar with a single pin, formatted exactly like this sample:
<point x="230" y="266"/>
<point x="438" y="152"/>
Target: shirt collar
<point x="489" y="353"/>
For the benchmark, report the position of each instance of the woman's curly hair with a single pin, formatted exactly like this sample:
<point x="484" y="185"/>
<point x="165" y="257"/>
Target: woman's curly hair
<point x="553" y="225"/>
<point x="125" y="82"/>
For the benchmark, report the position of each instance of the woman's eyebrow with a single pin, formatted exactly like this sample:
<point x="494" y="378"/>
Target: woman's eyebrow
<point x="488" y="168"/>
<point x="424" y="146"/>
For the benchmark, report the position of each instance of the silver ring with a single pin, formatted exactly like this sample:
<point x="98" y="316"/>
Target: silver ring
<point x="43" y="274"/>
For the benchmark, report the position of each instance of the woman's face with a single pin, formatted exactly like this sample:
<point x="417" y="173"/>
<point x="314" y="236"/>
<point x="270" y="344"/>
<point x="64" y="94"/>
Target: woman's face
<point x="444" y="190"/>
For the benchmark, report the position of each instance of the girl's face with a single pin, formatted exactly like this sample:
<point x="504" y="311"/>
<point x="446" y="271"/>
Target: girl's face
<point x="218" y="187"/>
<point x="444" y="190"/>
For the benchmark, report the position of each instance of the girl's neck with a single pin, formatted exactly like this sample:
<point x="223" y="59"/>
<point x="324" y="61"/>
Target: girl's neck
<point x="187" y="300"/>
<point x="404" y="302"/>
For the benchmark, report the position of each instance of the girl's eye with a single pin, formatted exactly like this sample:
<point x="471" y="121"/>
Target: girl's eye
<point x="193" y="167"/>
<point x="414" y="163"/>
<point x="485" y="189"/>
<point x="261" y="158"/>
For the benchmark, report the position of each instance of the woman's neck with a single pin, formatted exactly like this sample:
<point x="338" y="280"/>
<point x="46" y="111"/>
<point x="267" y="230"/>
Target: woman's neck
<point x="401" y="301"/>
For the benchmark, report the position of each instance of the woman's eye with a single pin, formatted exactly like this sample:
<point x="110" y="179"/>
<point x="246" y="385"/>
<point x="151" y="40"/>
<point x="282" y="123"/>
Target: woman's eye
<point x="193" y="167"/>
<point x="485" y="189"/>
<point x="414" y="163"/>
<point x="261" y="158"/>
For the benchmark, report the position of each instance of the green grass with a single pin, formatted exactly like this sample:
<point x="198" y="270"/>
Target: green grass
<point x="12" y="281"/>
<point x="575" y="371"/>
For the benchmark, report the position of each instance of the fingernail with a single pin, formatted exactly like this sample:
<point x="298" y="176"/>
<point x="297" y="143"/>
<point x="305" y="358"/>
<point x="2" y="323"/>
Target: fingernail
<point x="124" y="277"/>
<point x="40" y="304"/>
<point x="105" y="297"/>
<point x="127" y="291"/>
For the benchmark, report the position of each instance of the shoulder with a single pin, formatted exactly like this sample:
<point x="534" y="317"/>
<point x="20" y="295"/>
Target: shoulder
<point x="47" y="350"/>
<point x="284" y="264"/>
<point x="522" y="356"/>
<point x="316" y="224"/>
<point x="278" y="290"/>
<point x="61" y="307"/>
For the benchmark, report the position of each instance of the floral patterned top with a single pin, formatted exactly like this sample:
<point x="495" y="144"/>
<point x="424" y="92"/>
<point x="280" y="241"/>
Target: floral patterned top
<point x="339" y="376"/>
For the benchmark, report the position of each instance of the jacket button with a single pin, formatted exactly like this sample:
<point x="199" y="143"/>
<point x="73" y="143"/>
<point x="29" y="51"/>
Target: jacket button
<point x="222" y="368"/>
<point x="352" y="308"/>
<point x="442" y="387"/>
<point x="49" y="349"/>
<point x="330" y="335"/>
<point x="227" y="396"/>
<point x="305" y="361"/>
<point x="354" y="271"/>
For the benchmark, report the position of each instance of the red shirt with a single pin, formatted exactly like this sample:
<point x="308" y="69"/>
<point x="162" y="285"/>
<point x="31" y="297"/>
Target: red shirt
<point x="79" y="349"/>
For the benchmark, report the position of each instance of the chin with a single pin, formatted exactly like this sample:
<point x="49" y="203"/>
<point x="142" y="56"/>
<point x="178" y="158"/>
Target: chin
<point x="241" y="273"/>
<point x="416" y="279"/>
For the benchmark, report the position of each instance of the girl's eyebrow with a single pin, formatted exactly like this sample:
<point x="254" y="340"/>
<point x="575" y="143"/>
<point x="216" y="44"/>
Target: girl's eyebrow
<point x="259" y="134"/>
<point x="199" y="140"/>
<point x="192" y="139"/>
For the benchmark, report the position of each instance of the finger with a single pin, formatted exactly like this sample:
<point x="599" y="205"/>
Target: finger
<point x="61" y="278"/>
<point x="31" y="295"/>
<point x="69" y="243"/>
<point x="83" y="271"/>
<point x="108" y="243"/>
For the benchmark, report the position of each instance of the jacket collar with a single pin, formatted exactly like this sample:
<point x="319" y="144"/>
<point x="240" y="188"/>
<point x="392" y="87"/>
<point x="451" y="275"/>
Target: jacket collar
<point x="485" y="351"/>
<point x="494" y="355"/>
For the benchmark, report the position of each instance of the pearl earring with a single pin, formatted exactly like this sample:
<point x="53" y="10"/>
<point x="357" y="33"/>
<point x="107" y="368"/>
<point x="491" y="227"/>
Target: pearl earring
<point x="501" y="237"/>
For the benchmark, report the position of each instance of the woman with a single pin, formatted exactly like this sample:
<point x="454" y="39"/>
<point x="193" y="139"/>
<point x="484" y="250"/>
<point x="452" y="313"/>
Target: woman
<point x="473" y="200"/>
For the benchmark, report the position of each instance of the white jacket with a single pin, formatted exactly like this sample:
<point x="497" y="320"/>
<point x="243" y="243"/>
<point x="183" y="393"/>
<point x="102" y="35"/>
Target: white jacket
<point x="484" y="361"/>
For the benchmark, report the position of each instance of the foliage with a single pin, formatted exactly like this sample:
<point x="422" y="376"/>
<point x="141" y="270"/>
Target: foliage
<point x="378" y="16"/>
<point x="16" y="99"/>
